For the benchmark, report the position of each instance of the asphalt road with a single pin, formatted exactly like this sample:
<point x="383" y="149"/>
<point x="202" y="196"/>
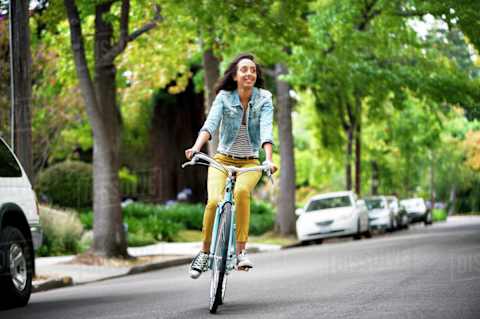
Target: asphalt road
<point x="431" y="272"/>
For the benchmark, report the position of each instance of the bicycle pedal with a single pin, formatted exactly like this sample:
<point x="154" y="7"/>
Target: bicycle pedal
<point x="244" y="268"/>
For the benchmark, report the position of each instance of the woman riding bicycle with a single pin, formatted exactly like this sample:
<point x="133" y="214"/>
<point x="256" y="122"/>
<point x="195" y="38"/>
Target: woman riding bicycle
<point x="244" y="112"/>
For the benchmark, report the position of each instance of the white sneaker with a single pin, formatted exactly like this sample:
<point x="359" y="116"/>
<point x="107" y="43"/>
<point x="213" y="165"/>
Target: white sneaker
<point x="243" y="262"/>
<point x="199" y="264"/>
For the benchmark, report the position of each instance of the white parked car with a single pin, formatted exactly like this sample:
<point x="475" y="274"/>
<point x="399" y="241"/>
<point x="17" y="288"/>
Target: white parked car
<point x="20" y="231"/>
<point x="417" y="210"/>
<point x="332" y="215"/>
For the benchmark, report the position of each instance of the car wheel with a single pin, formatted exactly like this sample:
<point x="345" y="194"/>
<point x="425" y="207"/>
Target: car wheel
<point x="16" y="276"/>
<point x="391" y="227"/>
<point x="368" y="232"/>
<point x="428" y="219"/>
<point x="358" y="235"/>
<point x="404" y="222"/>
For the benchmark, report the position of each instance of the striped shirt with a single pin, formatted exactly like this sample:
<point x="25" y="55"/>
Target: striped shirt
<point x="241" y="147"/>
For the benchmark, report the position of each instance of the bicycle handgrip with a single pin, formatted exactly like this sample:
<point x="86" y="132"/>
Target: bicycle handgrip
<point x="187" y="164"/>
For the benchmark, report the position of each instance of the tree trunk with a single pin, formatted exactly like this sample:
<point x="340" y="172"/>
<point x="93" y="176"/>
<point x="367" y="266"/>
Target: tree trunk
<point x="348" y="160"/>
<point x="100" y="100"/>
<point x="375" y="178"/>
<point x="164" y="148"/>
<point x="285" y="223"/>
<point x="108" y="232"/>
<point x="211" y="66"/>
<point x="21" y="85"/>
<point x="182" y="116"/>
<point x="358" y="145"/>
<point x="432" y="180"/>
<point x="105" y="118"/>
<point x="453" y="201"/>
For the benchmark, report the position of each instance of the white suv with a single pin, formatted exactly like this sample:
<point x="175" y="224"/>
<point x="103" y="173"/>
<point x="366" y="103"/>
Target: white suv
<point x="20" y="231"/>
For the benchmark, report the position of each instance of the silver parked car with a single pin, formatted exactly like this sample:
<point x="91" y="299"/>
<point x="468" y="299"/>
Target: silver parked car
<point x="380" y="216"/>
<point x="385" y="213"/>
<point x="417" y="210"/>
<point x="332" y="215"/>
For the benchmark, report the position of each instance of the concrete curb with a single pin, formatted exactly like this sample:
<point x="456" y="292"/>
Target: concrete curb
<point x="294" y="245"/>
<point x="159" y="265"/>
<point x="67" y="281"/>
<point x="52" y="284"/>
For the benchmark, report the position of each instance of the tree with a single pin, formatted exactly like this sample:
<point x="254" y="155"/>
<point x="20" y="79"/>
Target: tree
<point x="22" y="84"/>
<point x="240" y="28"/>
<point x="99" y="94"/>
<point x="282" y="26"/>
<point x="372" y="58"/>
<point x="212" y="30"/>
<point x="180" y="115"/>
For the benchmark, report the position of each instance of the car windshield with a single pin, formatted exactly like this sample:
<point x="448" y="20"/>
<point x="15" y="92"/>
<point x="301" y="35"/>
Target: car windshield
<point x="412" y="203"/>
<point x="326" y="203"/>
<point x="375" y="203"/>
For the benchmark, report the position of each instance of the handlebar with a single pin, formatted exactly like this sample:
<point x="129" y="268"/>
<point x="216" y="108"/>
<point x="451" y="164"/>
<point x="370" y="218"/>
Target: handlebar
<point x="229" y="170"/>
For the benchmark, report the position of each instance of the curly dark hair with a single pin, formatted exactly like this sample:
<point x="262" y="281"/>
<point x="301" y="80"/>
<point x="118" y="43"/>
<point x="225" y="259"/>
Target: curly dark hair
<point x="227" y="83"/>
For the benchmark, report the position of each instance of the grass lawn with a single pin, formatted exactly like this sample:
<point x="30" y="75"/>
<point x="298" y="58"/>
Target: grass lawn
<point x="273" y="238"/>
<point x="187" y="235"/>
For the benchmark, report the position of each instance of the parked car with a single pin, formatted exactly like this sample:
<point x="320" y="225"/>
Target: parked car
<point x="332" y="215"/>
<point x="380" y="214"/>
<point x="401" y="215"/>
<point x="417" y="210"/>
<point x="20" y="231"/>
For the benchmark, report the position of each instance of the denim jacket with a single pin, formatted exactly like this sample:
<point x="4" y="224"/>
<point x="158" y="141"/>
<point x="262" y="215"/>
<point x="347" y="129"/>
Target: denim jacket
<point x="227" y="111"/>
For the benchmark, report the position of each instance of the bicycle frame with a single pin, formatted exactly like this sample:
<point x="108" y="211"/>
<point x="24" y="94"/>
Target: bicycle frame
<point x="232" y="247"/>
<point x="216" y="295"/>
<point x="232" y="174"/>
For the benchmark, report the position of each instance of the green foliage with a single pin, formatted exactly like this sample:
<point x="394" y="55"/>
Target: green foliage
<point x="261" y="217"/>
<point x="128" y="182"/>
<point x="439" y="215"/>
<point x="149" y="223"/>
<point x="70" y="183"/>
<point x="66" y="184"/>
<point x="86" y="217"/>
<point x="62" y="231"/>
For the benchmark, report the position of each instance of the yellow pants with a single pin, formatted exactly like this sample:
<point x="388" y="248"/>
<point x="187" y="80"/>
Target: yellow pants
<point x="216" y="189"/>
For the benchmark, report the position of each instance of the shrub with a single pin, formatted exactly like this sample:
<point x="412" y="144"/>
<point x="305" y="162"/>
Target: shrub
<point x="128" y="182"/>
<point x="189" y="215"/>
<point x="439" y="215"/>
<point x="66" y="184"/>
<point x="262" y="218"/>
<point x="87" y="219"/>
<point x="145" y="225"/>
<point x="62" y="231"/>
<point x="70" y="184"/>
<point x="148" y="223"/>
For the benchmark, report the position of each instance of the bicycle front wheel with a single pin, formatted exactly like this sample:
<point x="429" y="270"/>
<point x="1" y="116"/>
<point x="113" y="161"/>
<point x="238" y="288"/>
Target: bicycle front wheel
<point x="219" y="264"/>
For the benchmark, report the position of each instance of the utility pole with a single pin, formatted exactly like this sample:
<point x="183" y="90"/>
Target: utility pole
<point x="12" y="86"/>
<point x="21" y="84"/>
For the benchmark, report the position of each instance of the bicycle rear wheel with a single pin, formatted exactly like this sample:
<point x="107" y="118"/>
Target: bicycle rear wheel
<point x="220" y="255"/>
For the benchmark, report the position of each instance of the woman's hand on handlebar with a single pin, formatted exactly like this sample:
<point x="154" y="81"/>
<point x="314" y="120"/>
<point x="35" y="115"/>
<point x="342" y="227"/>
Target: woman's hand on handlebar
<point x="273" y="167"/>
<point x="190" y="152"/>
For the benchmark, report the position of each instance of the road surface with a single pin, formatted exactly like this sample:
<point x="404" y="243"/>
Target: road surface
<point x="425" y="272"/>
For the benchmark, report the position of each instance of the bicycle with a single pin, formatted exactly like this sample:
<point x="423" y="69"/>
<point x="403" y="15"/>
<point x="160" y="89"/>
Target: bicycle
<point x="223" y="251"/>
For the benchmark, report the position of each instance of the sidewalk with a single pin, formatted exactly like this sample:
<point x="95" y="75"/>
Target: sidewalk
<point x="56" y="272"/>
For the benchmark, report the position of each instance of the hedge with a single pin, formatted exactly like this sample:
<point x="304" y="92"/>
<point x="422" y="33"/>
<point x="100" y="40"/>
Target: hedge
<point x="66" y="184"/>
<point x="70" y="184"/>
<point x="148" y="223"/>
